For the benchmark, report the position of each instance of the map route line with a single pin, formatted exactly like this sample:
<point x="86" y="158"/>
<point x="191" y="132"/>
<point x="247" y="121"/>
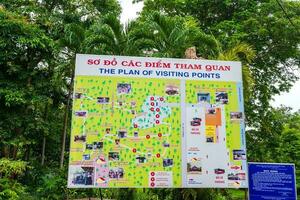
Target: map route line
<point x="84" y="122"/>
<point x="125" y="146"/>
<point x="124" y="109"/>
<point x="90" y="98"/>
<point x="169" y="133"/>
<point x="170" y="104"/>
<point x="164" y="153"/>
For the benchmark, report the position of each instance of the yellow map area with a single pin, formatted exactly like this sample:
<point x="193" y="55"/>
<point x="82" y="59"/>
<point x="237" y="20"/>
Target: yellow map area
<point x="141" y="150"/>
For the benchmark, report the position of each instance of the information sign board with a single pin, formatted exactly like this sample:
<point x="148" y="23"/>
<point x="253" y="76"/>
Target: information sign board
<point x="157" y="122"/>
<point x="274" y="181"/>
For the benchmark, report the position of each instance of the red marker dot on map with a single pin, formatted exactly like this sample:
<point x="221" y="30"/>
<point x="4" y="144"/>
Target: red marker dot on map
<point x="161" y="99"/>
<point x="134" y="150"/>
<point x="157" y="116"/>
<point x="152" y="98"/>
<point x="158" y="155"/>
<point x="152" y="109"/>
<point x="157" y="109"/>
<point x="148" y="136"/>
<point x="152" y="184"/>
<point x="159" y="134"/>
<point x="152" y="173"/>
<point x="157" y="121"/>
<point x="135" y="125"/>
<point x="152" y="104"/>
<point x="152" y="179"/>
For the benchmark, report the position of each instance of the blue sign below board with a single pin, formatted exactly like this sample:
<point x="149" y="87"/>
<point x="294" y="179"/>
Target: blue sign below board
<point x="272" y="181"/>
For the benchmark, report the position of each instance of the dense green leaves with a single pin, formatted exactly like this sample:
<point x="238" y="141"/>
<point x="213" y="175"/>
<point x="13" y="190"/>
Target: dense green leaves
<point x="10" y="168"/>
<point x="11" y="189"/>
<point x="164" y="36"/>
<point x="25" y="50"/>
<point x="107" y="36"/>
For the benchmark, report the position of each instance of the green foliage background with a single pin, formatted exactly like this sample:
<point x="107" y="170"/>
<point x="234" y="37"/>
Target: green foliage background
<point x="38" y="43"/>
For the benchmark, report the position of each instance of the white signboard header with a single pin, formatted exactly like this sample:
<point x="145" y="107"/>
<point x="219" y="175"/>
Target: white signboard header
<point x="147" y="67"/>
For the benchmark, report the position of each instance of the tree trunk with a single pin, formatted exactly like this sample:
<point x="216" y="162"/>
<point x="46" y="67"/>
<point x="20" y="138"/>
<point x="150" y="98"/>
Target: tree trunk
<point x="66" y="115"/>
<point x="15" y="147"/>
<point x="44" y="137"/>
<point x="5" y="151"/>
<point x="27" y="152"/>
<point x="101" y="197"/>
<point x="190" y="53"/>
<point x="15" y="152"/>
<point x="43" y="150"/>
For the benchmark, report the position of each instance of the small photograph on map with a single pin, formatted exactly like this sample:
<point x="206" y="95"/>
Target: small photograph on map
<point x="83" y="176"/>
<point x="140" y="159"/>
<point x="241" y="176"/>
<point x="149" y="154"/>
<point x="236" y="115"/>
<point x="97" y="145"/>
<point x="203" y="97"/>
<point x="117" y="141"/>
<point x="133" y="112"/>
<point x="219" y="171"/>
<point x="122" y="134"/>
<point x="210" y="139"/>
<point x="78" y="95"/>
<point x="237" y="176"/>
<point x="107" y="130"/>
<point x="113" y="156"/>
<point x="116" y="173"/>
<point x="80" y="113"/>
<point x="167" y="162"/>
<point x="239" y="155"/>
<point x="79" y="138"/>
<point x="233" y="177"/>
<point x="89" y="146"/>
<point x="222" y="97"/>
<point x="194" y="165"/>
<point x="136" y="134"/>
<point x="166" y="144"/>
<point x="133" y="104"/>
<point x="172" y="90"/>
<point x="196" y="121"/>
<point x="86" y="157"/>
<point x="103" y="100"/>
<point x="211" y="111"/>
<point x="123" y="88"/>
